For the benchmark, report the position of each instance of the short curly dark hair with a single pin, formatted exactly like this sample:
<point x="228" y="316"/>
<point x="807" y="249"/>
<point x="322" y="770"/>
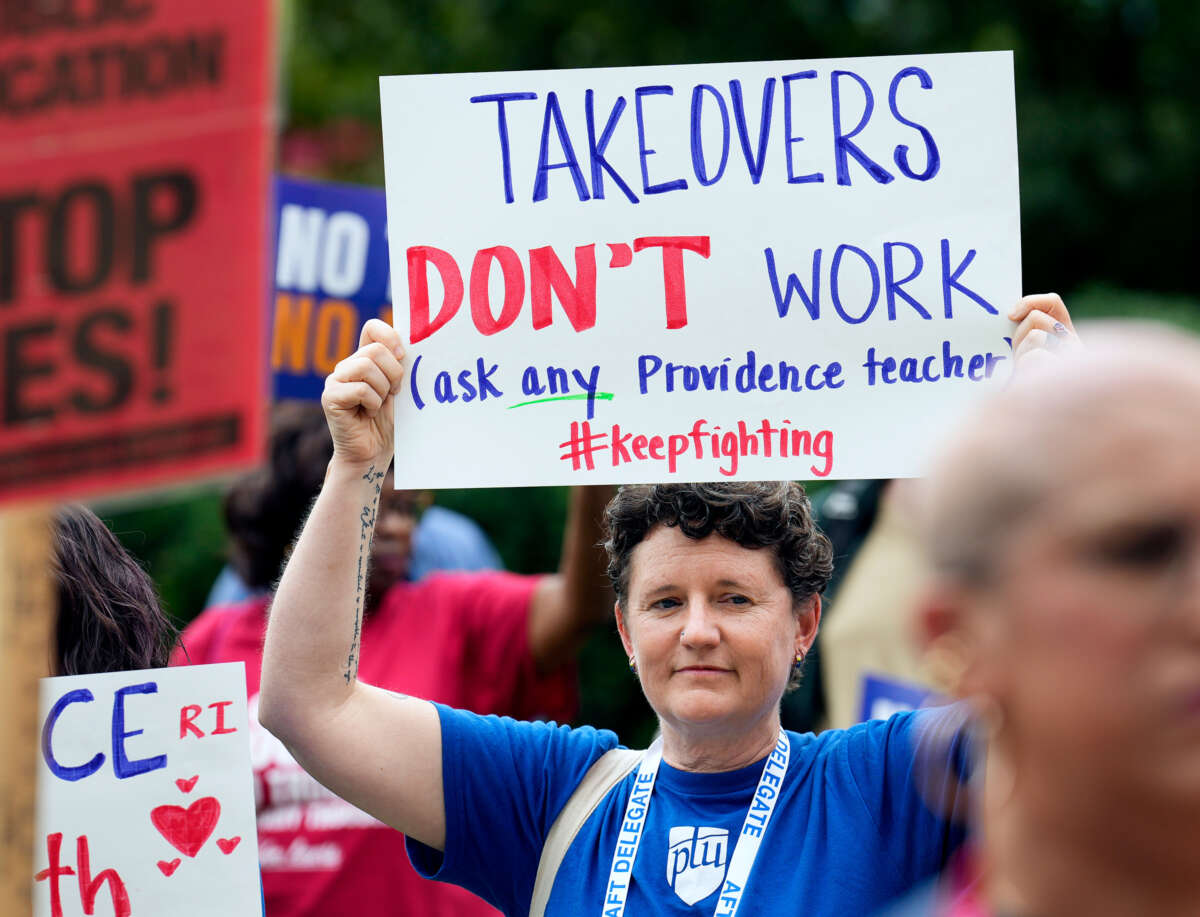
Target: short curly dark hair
<point x="754" y="514"/>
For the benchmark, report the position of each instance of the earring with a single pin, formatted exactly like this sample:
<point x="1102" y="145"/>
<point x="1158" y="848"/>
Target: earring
<point x="945" y="663"/>
<point x="633" y="664"/>
<point x="799" y="659"/>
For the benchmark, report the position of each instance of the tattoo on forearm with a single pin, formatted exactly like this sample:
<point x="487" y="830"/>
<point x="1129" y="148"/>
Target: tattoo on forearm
<point x="366" y="518"/>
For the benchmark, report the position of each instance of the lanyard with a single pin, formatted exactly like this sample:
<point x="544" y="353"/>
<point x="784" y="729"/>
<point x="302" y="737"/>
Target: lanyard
<point x="741" y="862"/>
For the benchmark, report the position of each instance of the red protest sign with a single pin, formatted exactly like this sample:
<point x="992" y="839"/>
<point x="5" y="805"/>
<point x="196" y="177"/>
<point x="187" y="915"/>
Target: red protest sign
<point x="134" y="182"/>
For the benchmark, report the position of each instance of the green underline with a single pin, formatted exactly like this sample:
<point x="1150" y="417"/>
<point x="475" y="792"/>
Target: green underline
<point x="599" y="396"/>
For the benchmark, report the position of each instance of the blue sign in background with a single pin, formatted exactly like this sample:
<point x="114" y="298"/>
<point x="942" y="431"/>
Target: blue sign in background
<point x="882" y="696"/>
<point x="330" y="275"/>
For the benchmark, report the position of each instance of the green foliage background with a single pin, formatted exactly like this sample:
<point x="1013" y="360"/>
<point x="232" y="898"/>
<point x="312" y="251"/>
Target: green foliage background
<point x="1108" y="105"/>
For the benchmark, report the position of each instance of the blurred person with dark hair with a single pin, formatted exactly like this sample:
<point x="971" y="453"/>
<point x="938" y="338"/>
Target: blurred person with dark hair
<point x="1063" y="530"/>
<point x="110" y="618"/>
<point x="264" y="509"/>
<point x="489" y="641"/>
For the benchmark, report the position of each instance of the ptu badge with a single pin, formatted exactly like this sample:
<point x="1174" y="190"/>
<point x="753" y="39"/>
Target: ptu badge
<point x="696" y="861"/>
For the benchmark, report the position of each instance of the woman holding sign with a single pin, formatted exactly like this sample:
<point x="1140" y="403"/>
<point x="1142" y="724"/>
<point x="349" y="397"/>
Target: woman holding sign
<point x="717" y="603"/>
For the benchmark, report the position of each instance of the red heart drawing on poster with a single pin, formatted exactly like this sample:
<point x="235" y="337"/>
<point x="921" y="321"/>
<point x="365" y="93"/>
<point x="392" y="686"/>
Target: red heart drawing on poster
<point x="228" y="843"/>
<point x="186" y="785"/>
<point x="187" y="829"/>
<point x="168" y="868"/>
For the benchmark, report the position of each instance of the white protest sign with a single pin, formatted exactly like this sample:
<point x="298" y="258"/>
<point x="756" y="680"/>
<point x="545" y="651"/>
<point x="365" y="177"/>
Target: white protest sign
<point x="145" y="797"/>
<point x="795" y="269"/>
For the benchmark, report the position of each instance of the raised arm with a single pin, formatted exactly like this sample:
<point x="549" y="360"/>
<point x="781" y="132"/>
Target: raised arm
<point x="378" y="750"/>
<point x="568" y="604"/>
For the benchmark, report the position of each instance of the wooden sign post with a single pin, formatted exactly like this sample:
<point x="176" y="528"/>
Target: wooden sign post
<point x="27" y="615"/>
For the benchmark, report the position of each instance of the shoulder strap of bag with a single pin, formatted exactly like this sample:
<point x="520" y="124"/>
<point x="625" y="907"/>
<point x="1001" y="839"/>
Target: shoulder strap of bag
<point x="609" y="770"/>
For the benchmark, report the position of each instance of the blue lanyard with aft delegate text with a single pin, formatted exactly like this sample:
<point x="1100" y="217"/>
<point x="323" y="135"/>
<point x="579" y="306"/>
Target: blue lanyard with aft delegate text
<point x="745" y="851"/>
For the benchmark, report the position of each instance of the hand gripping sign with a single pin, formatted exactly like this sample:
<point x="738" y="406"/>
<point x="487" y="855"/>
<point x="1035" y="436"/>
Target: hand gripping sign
<point x="145" y="801"/>
<point x="793" y="269"/>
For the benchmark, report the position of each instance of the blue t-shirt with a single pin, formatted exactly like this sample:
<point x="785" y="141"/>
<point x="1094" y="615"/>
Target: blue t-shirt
<point x="850" y="831"/>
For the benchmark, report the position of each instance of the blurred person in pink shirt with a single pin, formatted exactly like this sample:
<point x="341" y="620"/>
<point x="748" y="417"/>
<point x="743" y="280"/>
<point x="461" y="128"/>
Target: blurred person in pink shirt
<point x="492" y="642"/>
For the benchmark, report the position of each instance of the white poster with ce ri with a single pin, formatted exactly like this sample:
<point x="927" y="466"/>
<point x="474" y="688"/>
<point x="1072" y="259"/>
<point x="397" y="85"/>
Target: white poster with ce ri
<point x="791" y="269"/>
<point x="145" y="798"/>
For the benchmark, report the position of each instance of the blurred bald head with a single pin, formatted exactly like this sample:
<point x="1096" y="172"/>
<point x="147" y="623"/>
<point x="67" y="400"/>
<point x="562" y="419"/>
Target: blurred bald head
<point x="1064" y="527"/>
<point x="1134" y="389"/>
